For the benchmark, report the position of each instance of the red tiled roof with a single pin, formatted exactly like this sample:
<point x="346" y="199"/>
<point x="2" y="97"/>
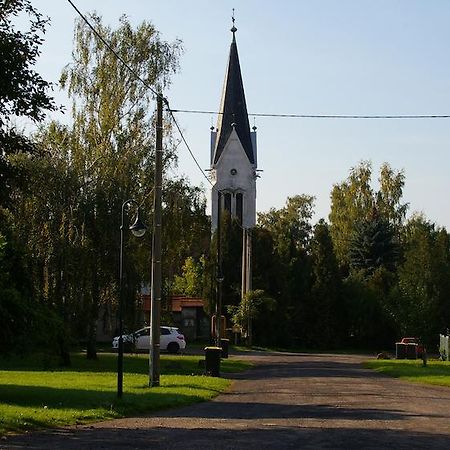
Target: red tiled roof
<point x="177" y="302"/>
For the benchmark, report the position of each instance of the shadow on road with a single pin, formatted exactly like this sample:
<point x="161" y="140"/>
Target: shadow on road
<point x="299" y="369"/>
<point x="238" y="411"/>
<point x="267" y="437"/>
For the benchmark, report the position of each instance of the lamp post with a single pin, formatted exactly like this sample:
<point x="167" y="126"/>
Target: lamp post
<point x="138" y="229"/>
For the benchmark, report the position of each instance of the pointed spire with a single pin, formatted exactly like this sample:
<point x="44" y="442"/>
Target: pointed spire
<point x="233" y="108"/>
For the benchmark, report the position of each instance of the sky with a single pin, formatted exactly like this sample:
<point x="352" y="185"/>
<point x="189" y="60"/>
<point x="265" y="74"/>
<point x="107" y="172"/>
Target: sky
<point x="346" y="57"/>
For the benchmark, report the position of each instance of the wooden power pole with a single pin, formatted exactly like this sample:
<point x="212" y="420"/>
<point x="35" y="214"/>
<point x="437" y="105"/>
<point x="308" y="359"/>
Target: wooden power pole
<point x="155" y="321"/>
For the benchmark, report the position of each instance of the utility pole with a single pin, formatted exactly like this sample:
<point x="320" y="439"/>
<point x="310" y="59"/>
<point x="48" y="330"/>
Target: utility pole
<point x="247" y="273"/>
<point x="244" y="263"/>
<point x="154" y="369"/>
<point x="248" y="281"/>
<point x="219" y="274"/>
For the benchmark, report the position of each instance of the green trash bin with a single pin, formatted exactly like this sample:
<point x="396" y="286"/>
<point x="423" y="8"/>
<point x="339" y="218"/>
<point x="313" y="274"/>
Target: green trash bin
<point x="225" y="343"/>
<point x="212" y="361"/>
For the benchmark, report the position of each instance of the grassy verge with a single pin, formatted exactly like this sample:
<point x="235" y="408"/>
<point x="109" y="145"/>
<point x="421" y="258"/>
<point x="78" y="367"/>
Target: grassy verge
<point x="436" y="372"/>
<point x="31" y="397"/>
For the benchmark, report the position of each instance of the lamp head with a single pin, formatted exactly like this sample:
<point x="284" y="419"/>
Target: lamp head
<point x="138" y="228"/>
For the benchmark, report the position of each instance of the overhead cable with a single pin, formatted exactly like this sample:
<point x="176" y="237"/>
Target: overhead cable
<point x="324" y="116"/>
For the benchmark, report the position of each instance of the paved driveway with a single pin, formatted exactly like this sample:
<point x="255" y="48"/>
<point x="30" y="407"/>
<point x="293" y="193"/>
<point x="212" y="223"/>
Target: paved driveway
<point x="286" y="401"/>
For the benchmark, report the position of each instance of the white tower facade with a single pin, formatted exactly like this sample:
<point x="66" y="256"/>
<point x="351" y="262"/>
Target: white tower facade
<point x="233" y="151"/>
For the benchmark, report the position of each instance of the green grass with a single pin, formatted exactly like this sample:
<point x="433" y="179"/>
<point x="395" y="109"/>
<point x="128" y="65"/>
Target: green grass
<point x="31" y="397"/>
<point x="436" y="372"/>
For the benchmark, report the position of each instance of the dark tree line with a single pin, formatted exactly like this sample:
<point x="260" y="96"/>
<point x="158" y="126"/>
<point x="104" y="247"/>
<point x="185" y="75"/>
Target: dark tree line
<point x="364" y="279"/>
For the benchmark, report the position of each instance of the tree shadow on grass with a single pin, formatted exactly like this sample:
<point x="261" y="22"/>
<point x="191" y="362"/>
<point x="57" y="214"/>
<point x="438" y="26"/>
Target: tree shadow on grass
<point x="105" y="363"/>
<point x="83" y="399"/>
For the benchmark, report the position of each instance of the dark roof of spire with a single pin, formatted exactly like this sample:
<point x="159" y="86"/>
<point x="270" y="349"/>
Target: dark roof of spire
<point x="233" y="108"/>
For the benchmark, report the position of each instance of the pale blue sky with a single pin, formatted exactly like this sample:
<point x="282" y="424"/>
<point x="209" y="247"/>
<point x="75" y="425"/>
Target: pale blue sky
<point x="308" y="57"/>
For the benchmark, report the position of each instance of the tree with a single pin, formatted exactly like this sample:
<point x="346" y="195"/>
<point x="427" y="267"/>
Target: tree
<point x="113" y="141"/>
<point x="48" y="224"/>
<point x="373" y="245"/>
<point x="231" y="255"/>
<point x="23" y="92"/>
<point x="442" y="264"/>
<point x="27" y="326"/>
<point x="69" y="215"/>
<point x="290" y="226"/>
<point x="324" y="316"/>
<point x="186" y="230"/>
<point x="420" y="302"/>
<point x="353" y="200"/>
<point x="249" y="308"/>
<point x="290" y="229"/>
<point x="368" y="323"/>
<point x="190" y="283"/>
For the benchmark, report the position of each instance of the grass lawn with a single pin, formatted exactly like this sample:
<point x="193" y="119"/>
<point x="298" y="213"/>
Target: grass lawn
<point x="436" y="372"/>
<point x="37" y="394"/>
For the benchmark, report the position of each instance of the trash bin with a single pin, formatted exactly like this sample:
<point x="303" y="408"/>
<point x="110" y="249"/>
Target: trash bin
<point x="225" y="343"/>
<point x="212" y="361"/>
<point x="400" y="350"/>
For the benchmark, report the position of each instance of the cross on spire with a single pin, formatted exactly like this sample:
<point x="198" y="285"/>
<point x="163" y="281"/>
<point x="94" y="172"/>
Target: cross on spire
<point x="233" y="28"/>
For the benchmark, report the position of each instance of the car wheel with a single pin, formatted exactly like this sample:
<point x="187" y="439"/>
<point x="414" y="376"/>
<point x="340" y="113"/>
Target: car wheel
<point x="173" y="347"/>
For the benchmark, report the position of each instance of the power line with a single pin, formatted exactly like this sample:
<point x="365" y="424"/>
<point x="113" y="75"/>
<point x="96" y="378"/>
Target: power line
<point x="138" y="77"/>
<point x="186" y="144"/>
<point x="323" y="116"/>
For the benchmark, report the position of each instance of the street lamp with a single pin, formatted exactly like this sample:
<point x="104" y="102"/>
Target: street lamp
<point x="138" y="229"/>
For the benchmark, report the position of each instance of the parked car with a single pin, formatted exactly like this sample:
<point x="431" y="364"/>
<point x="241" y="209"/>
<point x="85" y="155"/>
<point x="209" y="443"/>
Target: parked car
<point x="171" y="339"/>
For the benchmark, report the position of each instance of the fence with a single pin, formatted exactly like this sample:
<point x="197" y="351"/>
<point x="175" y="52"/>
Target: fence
<point x="444" y="347"/>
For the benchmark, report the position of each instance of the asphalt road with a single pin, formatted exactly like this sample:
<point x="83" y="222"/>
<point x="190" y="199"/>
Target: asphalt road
<point x="286" y="401"/>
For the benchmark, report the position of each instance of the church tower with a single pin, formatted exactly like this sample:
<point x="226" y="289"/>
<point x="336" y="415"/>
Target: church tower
<point x="233" y="150"/>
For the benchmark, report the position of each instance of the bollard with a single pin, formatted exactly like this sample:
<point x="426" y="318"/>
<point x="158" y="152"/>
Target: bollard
<point x="212" y="361"/>
<point x="225" y="343"/>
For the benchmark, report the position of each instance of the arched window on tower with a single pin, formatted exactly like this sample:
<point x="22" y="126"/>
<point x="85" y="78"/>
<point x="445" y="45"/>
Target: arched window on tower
<point x="227" y="202"/>
<point x="239" y="206"/>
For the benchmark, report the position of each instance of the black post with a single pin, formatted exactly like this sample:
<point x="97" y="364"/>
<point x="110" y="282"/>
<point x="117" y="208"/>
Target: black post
<point x="120" y="349"/>
<point x="138" y="229"/>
